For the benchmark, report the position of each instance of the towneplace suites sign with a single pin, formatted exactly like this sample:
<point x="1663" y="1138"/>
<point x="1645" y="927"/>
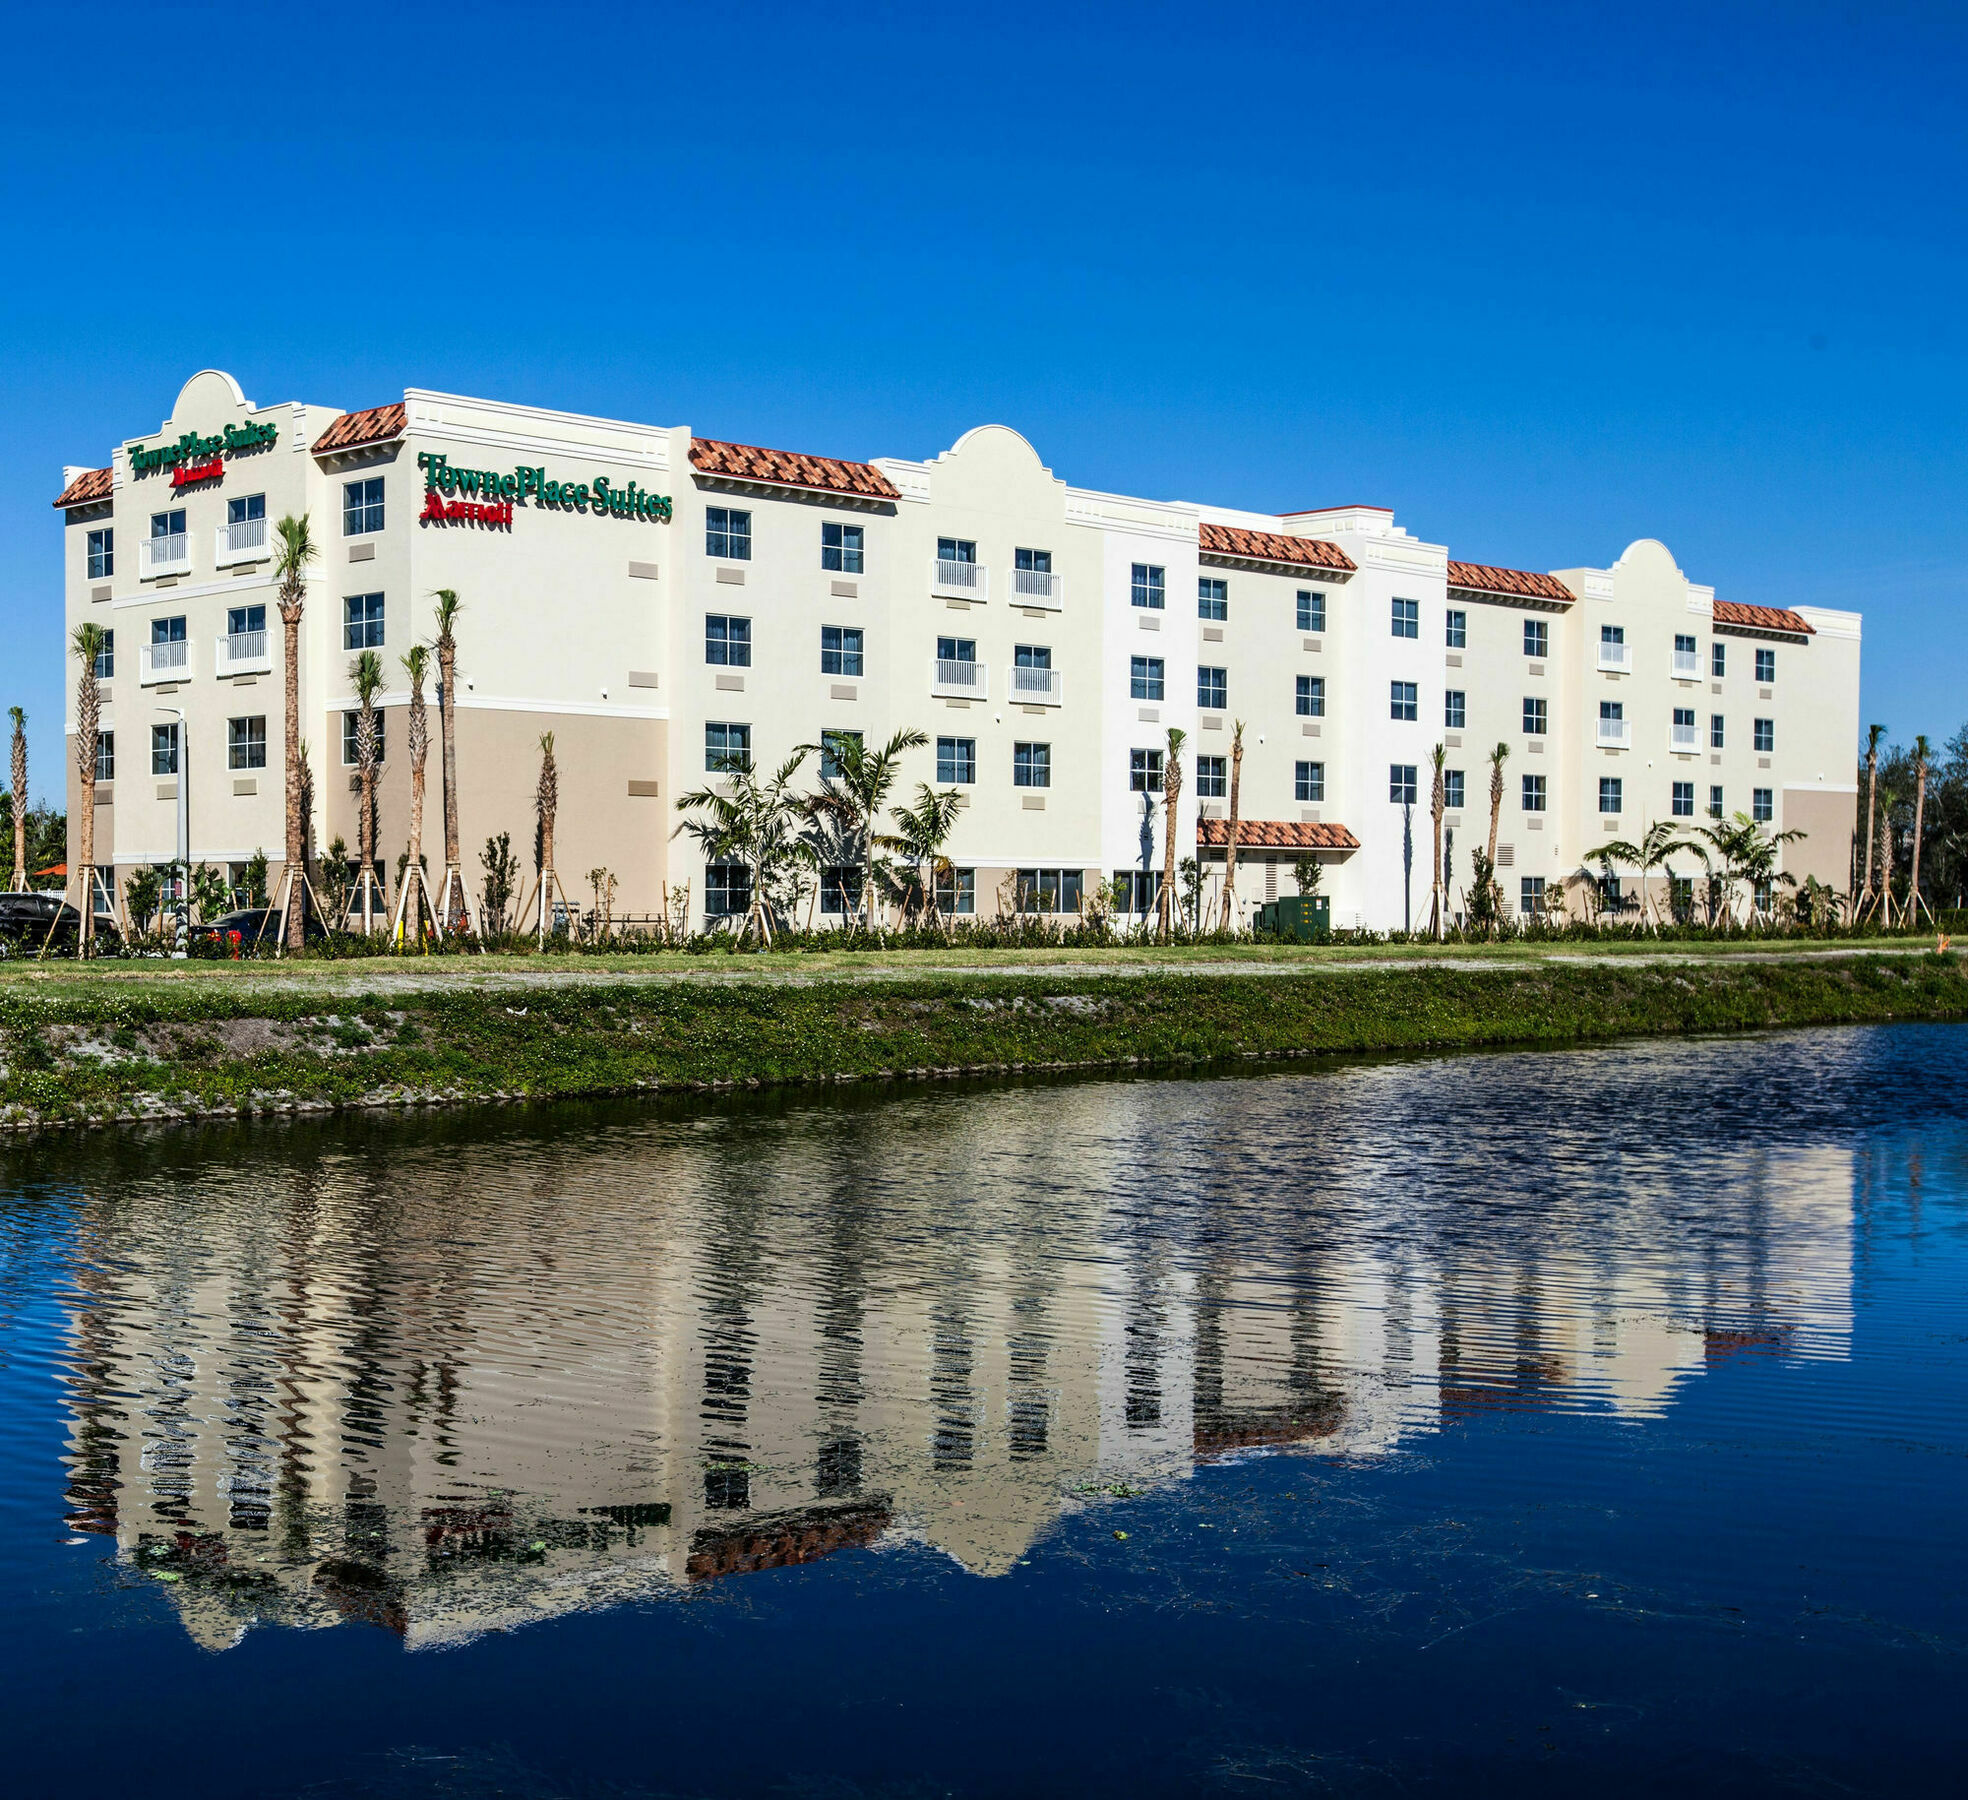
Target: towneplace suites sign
<point x="487" y="497"/>
<point x="194" y="458"/>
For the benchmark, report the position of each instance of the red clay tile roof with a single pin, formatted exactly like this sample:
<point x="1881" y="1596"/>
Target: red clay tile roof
<point x="1273" y="547"/>
<point x="377" y="425"/>
<point x="788" y="468"/>
<point x="94" y="485"/>
<point x="1274" y="834"/>
<point x="1762" y="618"/>
<point x="1487" y="580"/>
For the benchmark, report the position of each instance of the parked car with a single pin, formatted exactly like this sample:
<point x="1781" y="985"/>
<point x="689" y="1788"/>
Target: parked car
<point x="255" y="925"/>
<point x="25" y="920"/>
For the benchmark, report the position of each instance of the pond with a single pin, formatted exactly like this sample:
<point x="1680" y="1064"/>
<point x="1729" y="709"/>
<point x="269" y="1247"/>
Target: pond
<point x="1503" y="1423"/>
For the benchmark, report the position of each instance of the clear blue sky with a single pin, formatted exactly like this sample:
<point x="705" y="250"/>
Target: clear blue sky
<point x="1543" y="279"/>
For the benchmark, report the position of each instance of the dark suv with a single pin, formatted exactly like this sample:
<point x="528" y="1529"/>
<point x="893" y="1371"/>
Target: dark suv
<point x="25" y="920"/>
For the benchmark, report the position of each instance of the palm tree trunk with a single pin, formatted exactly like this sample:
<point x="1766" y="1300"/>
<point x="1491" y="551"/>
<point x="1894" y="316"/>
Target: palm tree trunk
<point x="1872" y="818"/>
<point x="290" y="629"/>
<point x="88" y="720"/>
<point x="1230" y="836"/>
<point x="1171" y="798"/>
<point x="447" y="663"/>
<point x="19" y="799"/>
<point x="1919" y="818"/>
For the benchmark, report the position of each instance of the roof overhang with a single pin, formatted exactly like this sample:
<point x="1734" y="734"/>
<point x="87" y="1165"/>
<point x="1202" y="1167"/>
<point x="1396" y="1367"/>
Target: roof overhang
<point x="1523" y="602"/>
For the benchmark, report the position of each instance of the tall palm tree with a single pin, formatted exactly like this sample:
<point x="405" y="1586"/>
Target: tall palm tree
<point x="19" y="798"/>
<point x="1230" y="835"/>
<point x="1873" y="734"/>
<point x="1922" y="750"/>
<point x="290" y="566"/>
<point x="415" y="899"/>
<point x="1437" y="805"/>
<point x="1171" y="798"/>
<point x="920" y="833"/>
<point x="855" y="795"/>
<point x="366" y="673"/>
<point x="446" y="644"/>
<point x="546" y="804"/>
<point x="1498" y="757"/>
<point x="756" y="823"/>
<point x="88" y="644"/>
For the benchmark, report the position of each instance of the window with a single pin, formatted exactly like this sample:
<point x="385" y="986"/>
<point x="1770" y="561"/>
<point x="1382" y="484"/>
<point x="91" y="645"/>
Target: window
<point x="1537" y="638"/>
<point x="1212" y="777"/>
<point x="956" y="761"/>
<point x="1455" y="709"/>
<point x="1212" y="597"/>
<point x="1031" y="656"/>
<point x="727" y="891"/>
<point x="728" y="533"/>
<point x="1611" y="793"/>
<point x="1766" y="665"/>
<point x="1715" y="731"/>
<point x="1761" y="807"/>
<point x="956" y="550"/>
<point x="243" y="621"/>
<point x="351" y="740"/>
<point x="1401" y="788"/>
<point x="1684" y="720"/>
<point x="1684" y="800"/>
<point x="245" y="509"/>
<point x="1145" y="677"/>
<point x="362" y="622"/>
<point x="830" y="747"/>
<point x="1309" y="782"/>
<point x="106" y="756"/>
<point x="840" y="650"/>
<point x="1764" y="732"/>
<point x="1145" y="771"/>
<point x="106" y="656"/>
<point x="102" y="554"/>
<point x="1530" y="895"/>
<point x="727" y="746"/>
<point x="1213" y="688"/>
<point x="1718" y="660"/>
<point x="246" y="743"/>
<point x="1453" y="789"/>
<point x="1532" y="793"/>
<point x="1311" y="696"/>
<point x="840" y="549"/>
<point x="1033" y="562"/>
<point x="164" y="749"/>
<point x="728" y="641"/>
<point x="840" y="890"/>
<point x="1612" y="643"/>
<point x="1536" y="717"/>
<point x="1685" y="650"/>
<point x="1311" y="609"/>
<point x="1145" y="587"/>
<point x="168" y="648"/>
<point x="956" y="890"/>
<point x="1457" y="634"/>
<point x="957" y="650"/>
<point x="1049" y="890"/>
<point x="362" y="506"/>
<point x="1612" y="714"/>
<point x="1715" y="803"/>
<point x="1031" y="765"/>
<point x="1402" y="702"/>
<point x="167" y="530"/>
<point x="1136" y="890"/>
<point x="1407" y="618"/>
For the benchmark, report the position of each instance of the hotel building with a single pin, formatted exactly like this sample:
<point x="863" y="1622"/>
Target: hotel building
<point x="661" y="602"/>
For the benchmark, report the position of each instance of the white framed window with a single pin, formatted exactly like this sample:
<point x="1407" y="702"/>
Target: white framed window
<point x="727" y="641"/>
<point x="1537" y="638"/>
<point x="102" y="553"/>
<point x="1212" y="777"/>
<point x="1212" y="597"/>
<point x="956" y="761"/>
<point x="728" y="533"/>
<point x="1212" y="688"/>
<point x="1049" y="890"/>
<point x="726" y="746"/>
<point x="1145" y="771"/>
<point x="1530" y="895"/>
<point x="831" y="744"/>
<point x="1402" y="788"/>
<point x="1456" y="635"/>
<point x="1309" y="781"/>
<point x="164" y="749"/>
<point x="106" y="756"/>
<point x="1683" y="801"/>
<point x="1146" y="586"/>
<point x="840" y="549"/>
<point x="106" y="656"/>
<point x="1453" y="788"/>
<point x="362" y="622"/>
<point x="956" y="891"/>
<point x="841" y="650"/>
<point x="1531" y="793"/>
<point x="1537" y="716"/>
<point x="1031" y="765"/>
<point x="1403" y="700"/>
<point x="1715" y="802"/>
<point x="727" y="890"/>
<point x="1311" y="609"/>
<point x="352" y="739"/>
<point x="1311" y="700"/>
<point x="1715" y="731"/>
<point x="246" y="743"/>
<point x="1766" y="665"/>
<point x="1718" y="660"/>
<point x="1612" y="794"/>
<point x="362" y="507"/>
<point x="1764" y="734"/>
<point x="1145" y="677"/>
<point x="1406" y="618"/>
<point x="1455" y="708"/>
<point x="1762" y="805"/>
<point x="956" y="550"/>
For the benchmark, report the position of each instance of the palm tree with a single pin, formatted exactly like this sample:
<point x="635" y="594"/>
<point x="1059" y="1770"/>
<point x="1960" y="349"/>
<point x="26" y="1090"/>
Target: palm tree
<point x="414" y="901"/>
<point x="1498" y="757"/>
<point x="19" y="798"/>
<point x="1748" y="853"/>
<point x="1650" y="853"/>
<point x="88" y="646"/>
<point x="366" y="673"/>
<point x="857" y="792"/>
<point x="1873" y="734"/>
<point x="1437" y="805"/>
<point x="920" y="833"/>
<point x="756" y="823"/>
<point x="290" y="566"/>
<point x="1171" y="798"/>
<point x="1230" y="836"/>
<point x="546" y="804"/>
<point x="446" y="645"/>
<point x="1921" y="752"/>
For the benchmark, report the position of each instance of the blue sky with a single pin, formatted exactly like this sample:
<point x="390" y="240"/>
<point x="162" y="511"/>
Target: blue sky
<point x="1543" y="279"/>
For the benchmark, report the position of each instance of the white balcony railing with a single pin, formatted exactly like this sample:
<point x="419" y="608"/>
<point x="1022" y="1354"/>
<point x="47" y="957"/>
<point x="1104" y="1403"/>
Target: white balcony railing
<point x="1686" y="738"/>
<point x="1618" y="658"/>
<point x="1613" y="734"/>
<point x="963" y="580"/>
<point x="1687" y="665"/>
<point x="1035" y="687"/>
<point x="164" y="662"/>
<point x="163" y="555"/>
<point x="1035" y="588"/>
<point x="959" y="680"/>
<point x="244" y="653"/>
<point x="243" y="541"/>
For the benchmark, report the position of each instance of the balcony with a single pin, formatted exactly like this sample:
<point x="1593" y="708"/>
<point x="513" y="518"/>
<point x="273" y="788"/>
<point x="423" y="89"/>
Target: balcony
<point x="1687" y="665"/>
<point x="163" y="556"/>
<point x="243" y="542"/>
<point x="960" y="680"/>
<point x="1032" y="587"/>
<point x="1613" y="734"/>
<point x="243" y="653"/>
<point x="1035" y="687"/>
<point x="1686" y="739"/>
<point x="1615" y="659"/>
<point x="960" y="580"/>
<point x="163" y="662"/>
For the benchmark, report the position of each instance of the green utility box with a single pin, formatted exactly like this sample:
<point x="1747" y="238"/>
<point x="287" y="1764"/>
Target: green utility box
<point x="1306" y="918"/>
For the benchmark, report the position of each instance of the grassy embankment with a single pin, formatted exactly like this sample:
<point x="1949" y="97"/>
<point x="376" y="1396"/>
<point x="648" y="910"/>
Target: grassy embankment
<point x="97" y="1044"/>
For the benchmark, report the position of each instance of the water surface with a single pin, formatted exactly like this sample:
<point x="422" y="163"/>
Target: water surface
<point x="1501" y="1423"/>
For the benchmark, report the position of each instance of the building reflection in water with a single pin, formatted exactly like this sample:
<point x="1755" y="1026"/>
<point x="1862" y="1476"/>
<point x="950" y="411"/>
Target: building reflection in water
<point x="395" y="1375"/>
